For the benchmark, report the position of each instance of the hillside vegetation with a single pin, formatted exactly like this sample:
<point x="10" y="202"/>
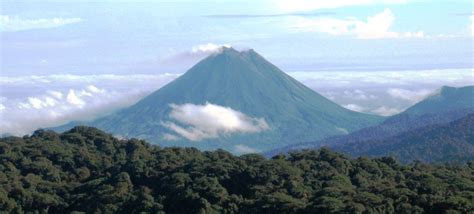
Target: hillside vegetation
<point x="87" y="170"/>
<point x="450" y="142"/>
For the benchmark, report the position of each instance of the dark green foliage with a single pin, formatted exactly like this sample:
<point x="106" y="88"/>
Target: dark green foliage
<point x="87" y="170"/>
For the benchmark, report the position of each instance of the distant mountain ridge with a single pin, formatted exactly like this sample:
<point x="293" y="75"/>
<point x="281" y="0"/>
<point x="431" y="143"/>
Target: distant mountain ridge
<point x="234" y="81"/>
<point x="449" y="142"/>
<point x="445" y="100"/>
<point x="447" y="105"/>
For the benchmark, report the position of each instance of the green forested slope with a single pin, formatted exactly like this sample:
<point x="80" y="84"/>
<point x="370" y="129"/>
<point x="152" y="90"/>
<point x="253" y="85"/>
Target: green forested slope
<point x="446" y="99"/>
<point x="449" y="142"/>
<point x="248" y="83"/>
<point x="88" y="170"/>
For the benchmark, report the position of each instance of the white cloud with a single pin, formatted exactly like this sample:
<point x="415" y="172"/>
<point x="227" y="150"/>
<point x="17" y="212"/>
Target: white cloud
<point x="74" y="99"/>
<point x="375" y="27"/>
<point x="359" y="95"/>
<point x="194" y="54"/>
<point x="15" y="23"/>
<point x="366" y="91"/>
<point x="208" y="48"/>
<point x="211" y="121"/>
<point x="354" y="107"/>
<point x="112" y="79"/>
<point x="34" y="102"/>
<point x="243" y="149"/>
<point x="55" y="94"/>
<point x="386" y="111"/>
<point x="413" y="96"/>
<point x="170" y="137"/>
<point x="342" y="130"/>
<point x="472" y="24"/>
<point x="307" y="5"/>
<point x="348" y="80"/>
<point x="94" y="89"/>
<point x="19" y="117"/>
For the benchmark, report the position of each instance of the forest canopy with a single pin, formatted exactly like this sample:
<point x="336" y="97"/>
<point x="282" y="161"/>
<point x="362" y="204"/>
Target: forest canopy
<point x="87" y="170"/>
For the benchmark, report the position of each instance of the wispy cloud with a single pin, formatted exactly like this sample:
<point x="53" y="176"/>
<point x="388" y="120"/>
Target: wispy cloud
<point x="386" y="111"/>
<point x="206" y="121"/>
<point x="377" y="26"/>
<point x="16" y="23"/>
<point x="350" y="80"/>
<point x="194" y="54"/>
<point x="411" y="95"/>
<point x="248" y="16"/>
<point x="359" y="95"/>
<point x="208" y="48"/>
<point x="308" y="5"/>
<point x="243" y="149"/>
<point x="354" y="107"/>
<point x="471" y="27"/>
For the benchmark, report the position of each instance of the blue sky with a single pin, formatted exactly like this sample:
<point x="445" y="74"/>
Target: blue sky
<point x="43" y="37"/>
<point x="79" y="59"/>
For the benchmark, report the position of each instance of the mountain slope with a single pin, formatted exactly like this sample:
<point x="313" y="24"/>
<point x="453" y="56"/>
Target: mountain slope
<point x="447" y="105"/>
<point x="446" y="99"/>
<point x="451" y="142"/>
<point x="247" y="83"/>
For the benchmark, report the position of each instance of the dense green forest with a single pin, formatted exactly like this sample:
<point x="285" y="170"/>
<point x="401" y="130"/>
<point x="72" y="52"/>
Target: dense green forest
<point x="450" y="142"/>
<point x="433" y="138"/>
<point x="87" y="170"/>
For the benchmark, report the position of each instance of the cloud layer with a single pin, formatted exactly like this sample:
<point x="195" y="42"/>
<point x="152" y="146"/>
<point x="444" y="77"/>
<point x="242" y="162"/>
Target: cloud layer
<point x="31" y="102"/>
<point x="16" y="23"/>
<point x="382" y="92"/>
<point x="206" y="121"/>
<point x="413" y="96"/>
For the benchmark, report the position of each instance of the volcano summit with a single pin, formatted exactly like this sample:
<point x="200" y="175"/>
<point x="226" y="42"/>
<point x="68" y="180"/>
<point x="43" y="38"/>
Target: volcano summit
<point x="236" y="101"/>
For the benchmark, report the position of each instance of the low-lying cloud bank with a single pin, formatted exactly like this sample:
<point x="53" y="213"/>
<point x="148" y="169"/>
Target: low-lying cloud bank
<point x="199" y="122"/>
<point x="31" y="102"/>
<point x="382" y="92"/>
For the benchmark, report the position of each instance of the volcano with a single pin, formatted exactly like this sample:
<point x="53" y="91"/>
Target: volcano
<point x="237" y="101"/>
